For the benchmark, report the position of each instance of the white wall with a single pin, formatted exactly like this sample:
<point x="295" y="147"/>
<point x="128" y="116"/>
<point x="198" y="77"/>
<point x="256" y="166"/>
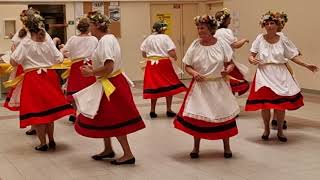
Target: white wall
<point x="302" y="28"/>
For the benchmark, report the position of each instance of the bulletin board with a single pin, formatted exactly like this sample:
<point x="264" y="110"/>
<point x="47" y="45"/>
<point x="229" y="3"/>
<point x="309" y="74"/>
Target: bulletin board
<point x="115" y="27"/>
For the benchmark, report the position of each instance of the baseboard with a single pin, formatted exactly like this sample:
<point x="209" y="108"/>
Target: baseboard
<point x="311" y="91"/>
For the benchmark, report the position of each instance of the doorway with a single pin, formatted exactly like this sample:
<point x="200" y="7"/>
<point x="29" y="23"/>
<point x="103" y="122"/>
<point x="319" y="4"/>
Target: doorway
<point x="55" y="19"/>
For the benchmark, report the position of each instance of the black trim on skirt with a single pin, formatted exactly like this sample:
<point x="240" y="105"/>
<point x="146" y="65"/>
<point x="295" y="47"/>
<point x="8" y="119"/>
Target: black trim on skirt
<point x="45" y="113"/>
<point x="112" y="127"/>
<point x="275" y="101"/>
<point x="163" y="89"/>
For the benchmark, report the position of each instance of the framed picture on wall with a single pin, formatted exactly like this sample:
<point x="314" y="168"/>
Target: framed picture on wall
<point x="9" y="28"/>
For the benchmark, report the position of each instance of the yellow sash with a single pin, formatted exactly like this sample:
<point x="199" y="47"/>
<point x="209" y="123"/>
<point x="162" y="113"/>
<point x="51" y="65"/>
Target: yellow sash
<point x="108" y="87"/>
<point x="151" y="58"/>
<point x="5" y="69"/>
<point x="68" y="65"/>
<point x="287" y="65"/>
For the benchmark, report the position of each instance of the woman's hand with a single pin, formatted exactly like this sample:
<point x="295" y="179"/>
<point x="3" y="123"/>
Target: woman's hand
<point x="198" y="77"/>
<point x="87" y="70"/>
<point x="312" y="67"/>
<point x="253" y="60"/>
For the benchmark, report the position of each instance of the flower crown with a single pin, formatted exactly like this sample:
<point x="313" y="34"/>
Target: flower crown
<point x="270" y="16"/>
<point x="225" y="13"/>
<point x="27" y="12"/>
<point x="34" y="20"/>
<point x="159" y="26"/>
<point x="99" y="18"/>
<point x="207" y="19"/>
<point x="283" y="18"/>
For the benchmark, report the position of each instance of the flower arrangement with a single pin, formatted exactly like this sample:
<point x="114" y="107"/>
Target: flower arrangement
<point x="207" y="19"/>
<point x="222" y="15"/>
<point x="271" y="16"/>
<point x="99" y="19"/>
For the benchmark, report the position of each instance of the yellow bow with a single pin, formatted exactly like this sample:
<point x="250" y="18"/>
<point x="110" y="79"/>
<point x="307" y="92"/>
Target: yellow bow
<point x="108" y="87"/>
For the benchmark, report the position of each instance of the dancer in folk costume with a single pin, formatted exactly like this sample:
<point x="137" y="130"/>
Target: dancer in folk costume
<point x="209" y="107"/>
<point x="13" y="103"/>
<point x="238" y="83"/>
<point x="41" y="99"/>
<point x="160" y="78"/>
<point x="79" y="49"/>
<point x="106" y="107"/>
<point x="274" y="87"/>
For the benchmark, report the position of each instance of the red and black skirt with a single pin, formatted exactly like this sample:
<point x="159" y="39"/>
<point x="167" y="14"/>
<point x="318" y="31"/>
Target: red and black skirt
<point x="236" y="86"/>
<point x="265" y="98"/>
<point x="160" y="80"/>
<point x="204" y="129"/>
<point x="76" y="81"/>
<point x="9" y="95"/>
<point x="42" y="100"/>
<point x="115" y="117"/>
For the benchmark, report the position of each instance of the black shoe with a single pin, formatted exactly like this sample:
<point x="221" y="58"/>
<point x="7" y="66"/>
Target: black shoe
<point x="129" y="161"/>
<point x="171" y="114"/>
<point x="31" y="132"/>
<point x="72" y="119"/>
<point x="284" y="125"/>
<point x="274" y="123"/>
<point x="194" y="155"/>
<point x="41" y="148"/>
<point x="227" y="155"/>
<point x="100" y="157"/>
<point x="153" y="115"/>
<point x="282" y="139"/>
<point x="265" y="137"/>
<point x="52" y="145"/>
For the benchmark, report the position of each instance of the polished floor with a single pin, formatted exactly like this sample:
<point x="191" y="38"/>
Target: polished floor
<point x="162" y="153"/>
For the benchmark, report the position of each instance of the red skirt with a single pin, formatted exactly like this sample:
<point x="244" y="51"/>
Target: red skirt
<point x="265" y="98"/>
<point x="236" y="86"/>
<point x="42" y="100"/>
<point x="160" y="80"/>
<point x="76" y="81"/>
<point x="9" y="95"/>
<point x="117" y="117"/>
<point x="203" y="129"/>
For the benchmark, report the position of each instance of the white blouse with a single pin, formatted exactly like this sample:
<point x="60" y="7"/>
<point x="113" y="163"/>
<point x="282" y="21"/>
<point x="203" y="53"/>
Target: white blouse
<point x="203" y="96"/>
<point x="226" y="34"/>
<point x="272" y="72"/>
<point x="157" y="45"/>
<point x="276" y="53"/>
<point x="81" y="46"/>
<point x="108" y="48"/>
<point x="31" y="54"/>
<point x="208" y="60"/>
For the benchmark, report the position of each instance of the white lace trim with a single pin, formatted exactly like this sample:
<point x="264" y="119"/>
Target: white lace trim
<point x="219" y="120"/>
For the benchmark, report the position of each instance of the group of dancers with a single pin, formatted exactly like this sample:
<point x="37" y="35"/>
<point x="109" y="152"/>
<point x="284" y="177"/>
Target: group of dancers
<point x="99" y="98"/>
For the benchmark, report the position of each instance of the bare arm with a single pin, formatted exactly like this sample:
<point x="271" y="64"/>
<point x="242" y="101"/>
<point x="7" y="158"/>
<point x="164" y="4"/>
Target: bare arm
<point x="311" y="67"/>
<point x="144" y="54"/>
<point x="252" y="59"/>
<point x="194" y="73"/>
<point x="87" y="70"/>
<point x="239" y="44"/>
<point x="172" y="54"/>
<point x="13" y="63"/>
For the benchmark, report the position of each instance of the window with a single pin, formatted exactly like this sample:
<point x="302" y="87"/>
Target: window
<point x="9" y="28"/>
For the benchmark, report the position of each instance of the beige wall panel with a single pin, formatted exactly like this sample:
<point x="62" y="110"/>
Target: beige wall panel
<point x="303" y="29"/>
<point x="11" y="12"/>
<point x="135" y="25"/>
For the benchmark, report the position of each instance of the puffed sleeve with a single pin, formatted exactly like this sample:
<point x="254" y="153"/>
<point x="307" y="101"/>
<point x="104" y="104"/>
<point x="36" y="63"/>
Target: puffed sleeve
<point x="20" y="52"/>
<point x="227" y="35"/>
<point x="188" y="57"/>
<point x="255" y="45"/>
<point x="107" y="49"/>
<point x="290" y="50"/>
<point x="57" y="55"/>
<point x="227" y="51"/>
<point x="169" y="43"/>
<point x="144" y="45"/>
<point x="68" y="44"/>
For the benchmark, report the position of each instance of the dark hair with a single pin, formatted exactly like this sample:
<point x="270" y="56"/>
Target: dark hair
<point x="83" y="25"/>
<point x="212" y="27"/>
<point x="33" y="25"/>
<point x="22" y="33"/>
